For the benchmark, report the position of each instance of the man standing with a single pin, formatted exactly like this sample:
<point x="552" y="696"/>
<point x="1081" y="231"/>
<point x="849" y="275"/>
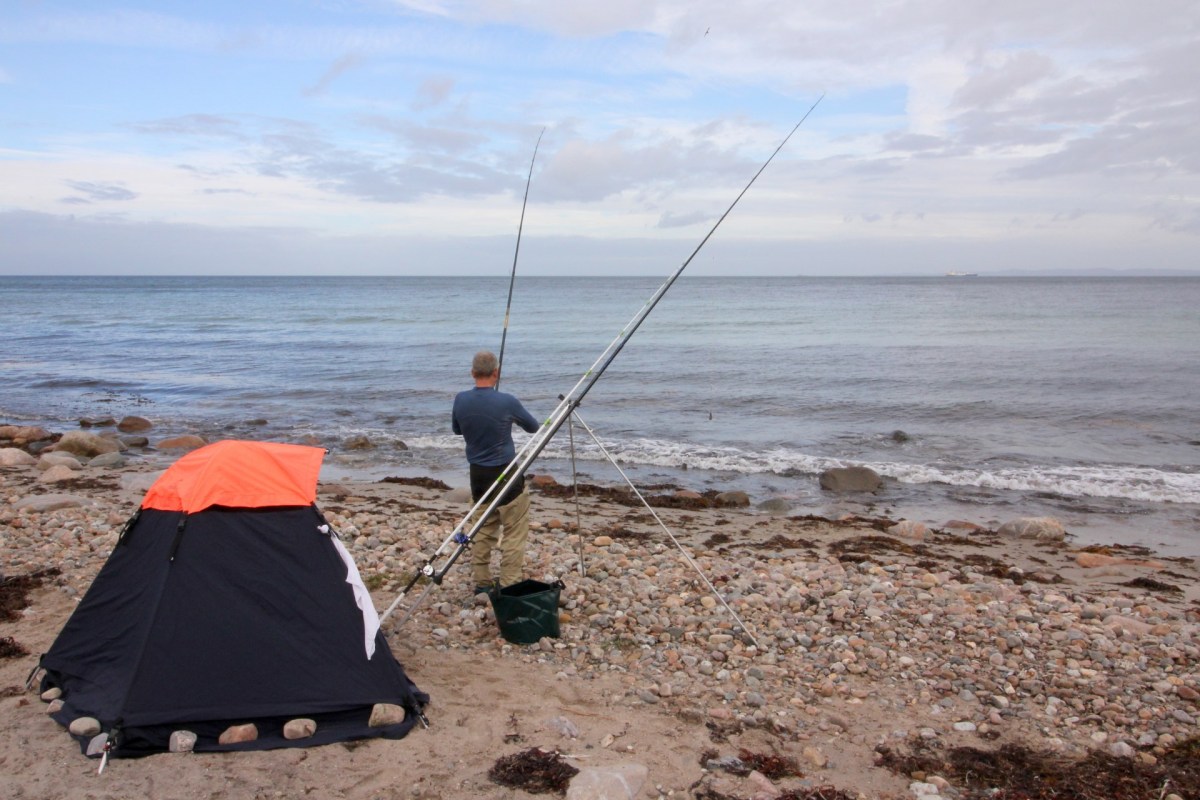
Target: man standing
<point x="484" y="417"/>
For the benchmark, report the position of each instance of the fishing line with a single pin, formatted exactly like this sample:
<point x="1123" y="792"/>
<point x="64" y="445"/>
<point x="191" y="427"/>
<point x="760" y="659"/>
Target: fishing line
<point x="513" y="278"/>
<point x="462" y="535"/>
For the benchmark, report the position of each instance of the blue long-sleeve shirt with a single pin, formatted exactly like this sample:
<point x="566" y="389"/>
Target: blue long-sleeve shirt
<point x="484" y="417"/>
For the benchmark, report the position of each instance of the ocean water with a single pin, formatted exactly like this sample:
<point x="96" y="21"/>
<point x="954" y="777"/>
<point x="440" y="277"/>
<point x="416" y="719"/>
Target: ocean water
<point x="978" y="398"/>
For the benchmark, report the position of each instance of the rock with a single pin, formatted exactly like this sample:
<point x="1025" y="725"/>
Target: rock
<point x="53" y="693"/>
<point x="108" y="460"/>
<point x="82" y="443"/>
<point x="182" y="742"/>
<point x="59" y="472"/>
<point x="733" y="499"/>
<point x="49" y="460"/>
<point x="383" y="714"/>
<point x="613" y="782"/>
<point x="775" y="506"/>
<point x="97" y="422"/>
<point x="564" y="727"/>
<point x="235" y="734"/>
<point x="1094" y="560"/>
<point x="815" y="757"/>
<point x="12" y="457"/>
<point x="908" y="529"/>
<point x="602" y="541"/>
<point x="135" y="441"/>
<point x="359" y="443"/>
<point x="53" y="502"/>
<point x="543" y="480"/>
<point x="22" y="435"/>
<point x="1040" y="528"/>
<point x="132" y="424"/>
<point x="84" y="726"/>
<point x="185" y="442"/>
<point x="299" y="728"/>
<point x="850" y="479"/>
<point x="97" y="744"/>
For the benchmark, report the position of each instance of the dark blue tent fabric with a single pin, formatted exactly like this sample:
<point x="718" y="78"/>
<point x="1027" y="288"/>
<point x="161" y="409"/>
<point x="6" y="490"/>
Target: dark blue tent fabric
<point x="223" y="617"/>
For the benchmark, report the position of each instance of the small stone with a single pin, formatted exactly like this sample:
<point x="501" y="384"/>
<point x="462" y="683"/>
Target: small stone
<point x="239" y="733"/>
<point x="602" y="541"/>
<point x="96" y="745"/>
<point x="299" y="729"/>
<point x="182" y="742"/>
<point x="384" y="714"/>
<point x="84" y="726"/>
<point x="53" y="693"/>
<point x="965" y="727"/>
<point x="187" y="442"/>
<point x="132" y="424"/>
<point x="815" y="757"/>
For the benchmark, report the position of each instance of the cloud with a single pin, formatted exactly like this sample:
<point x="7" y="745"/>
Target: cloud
<point x="98" y="192"/>
<point x="432" y="92"/>
<point x="339" y="68"/>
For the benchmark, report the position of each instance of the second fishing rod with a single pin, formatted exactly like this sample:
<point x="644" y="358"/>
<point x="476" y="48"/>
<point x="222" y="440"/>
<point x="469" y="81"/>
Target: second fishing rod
<point x="460" y="538"/>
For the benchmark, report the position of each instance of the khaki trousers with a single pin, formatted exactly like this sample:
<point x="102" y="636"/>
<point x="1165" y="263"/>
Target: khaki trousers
<point x="508" y="528"/>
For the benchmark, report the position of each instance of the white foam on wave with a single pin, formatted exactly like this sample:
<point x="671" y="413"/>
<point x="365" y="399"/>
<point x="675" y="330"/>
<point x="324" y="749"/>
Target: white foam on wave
<point x="1145" y="484"/>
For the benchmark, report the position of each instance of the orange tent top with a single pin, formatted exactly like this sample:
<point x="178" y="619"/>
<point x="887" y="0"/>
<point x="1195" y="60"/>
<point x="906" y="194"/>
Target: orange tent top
<point x="238" y="474"/>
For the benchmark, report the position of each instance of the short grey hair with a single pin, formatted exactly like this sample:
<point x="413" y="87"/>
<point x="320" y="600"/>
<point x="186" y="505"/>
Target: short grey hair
<point x="484" y="364"/>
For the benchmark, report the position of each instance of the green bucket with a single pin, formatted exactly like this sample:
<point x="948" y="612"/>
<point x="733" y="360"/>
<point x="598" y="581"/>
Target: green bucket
<point x="527" y="611"/>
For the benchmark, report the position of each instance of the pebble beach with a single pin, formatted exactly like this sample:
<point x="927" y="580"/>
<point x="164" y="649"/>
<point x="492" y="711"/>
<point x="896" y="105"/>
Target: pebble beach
<point x="691" y="632"/>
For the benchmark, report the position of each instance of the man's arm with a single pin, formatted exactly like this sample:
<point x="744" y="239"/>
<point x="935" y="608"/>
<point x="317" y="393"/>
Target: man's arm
<point x="524" y="418"/>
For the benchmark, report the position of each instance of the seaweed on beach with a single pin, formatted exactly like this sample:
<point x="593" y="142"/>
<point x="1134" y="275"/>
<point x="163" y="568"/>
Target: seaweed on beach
<point x="716" y="540"/>
<point x="534" y="770"/>
<point x="424" y="483"/>
<point x="1153" y="585"/>
<point x="814" y="793"/>
<point x="780" y="542"/>
<point x="11" y="648"/>
<point x="14" y="591"/>
<point x="619" y="532"/>
<point x="1015" y="772"/>
<point x="861" y="548"/>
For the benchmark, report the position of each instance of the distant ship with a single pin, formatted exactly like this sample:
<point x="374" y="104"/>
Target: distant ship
<point x="962" y="274"/>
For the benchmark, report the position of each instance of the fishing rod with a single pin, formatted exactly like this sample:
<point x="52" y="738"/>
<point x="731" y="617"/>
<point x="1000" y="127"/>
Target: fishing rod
<point x="513" y="279"/>
<point x="462" y="535"/>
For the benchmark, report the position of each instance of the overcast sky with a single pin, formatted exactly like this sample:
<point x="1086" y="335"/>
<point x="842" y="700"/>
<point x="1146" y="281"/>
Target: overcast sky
<point x="391" y="137"/>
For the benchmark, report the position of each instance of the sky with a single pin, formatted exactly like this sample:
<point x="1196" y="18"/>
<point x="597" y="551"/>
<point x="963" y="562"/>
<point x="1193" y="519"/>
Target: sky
<point x="394" y="137"/>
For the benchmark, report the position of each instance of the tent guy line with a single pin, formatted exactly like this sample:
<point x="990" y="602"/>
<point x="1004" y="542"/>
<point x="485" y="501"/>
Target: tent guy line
<point x="490" y="500"/>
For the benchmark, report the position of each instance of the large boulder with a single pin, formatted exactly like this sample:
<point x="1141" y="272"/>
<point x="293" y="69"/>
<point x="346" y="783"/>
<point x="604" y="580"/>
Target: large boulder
<point x="850" y="479"/>
<point x="14" y="457"/>
<point x="1046" y="529"/>
<point x="736" y="499"/>
<point x="82" y="443"/>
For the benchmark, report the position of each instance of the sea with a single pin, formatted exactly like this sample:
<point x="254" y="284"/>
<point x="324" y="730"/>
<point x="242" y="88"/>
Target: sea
<point x="978" y="398"/>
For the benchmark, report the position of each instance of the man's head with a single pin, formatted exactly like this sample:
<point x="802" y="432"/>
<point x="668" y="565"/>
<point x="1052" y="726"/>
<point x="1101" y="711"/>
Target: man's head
<point x="484" y="365"/>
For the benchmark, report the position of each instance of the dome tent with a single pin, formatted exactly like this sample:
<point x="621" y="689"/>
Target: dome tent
<point x="228" y="600"/>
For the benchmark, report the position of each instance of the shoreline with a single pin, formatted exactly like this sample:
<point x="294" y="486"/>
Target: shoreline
<point x="1165" y="527"/>
<point x="867" y="637"/>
